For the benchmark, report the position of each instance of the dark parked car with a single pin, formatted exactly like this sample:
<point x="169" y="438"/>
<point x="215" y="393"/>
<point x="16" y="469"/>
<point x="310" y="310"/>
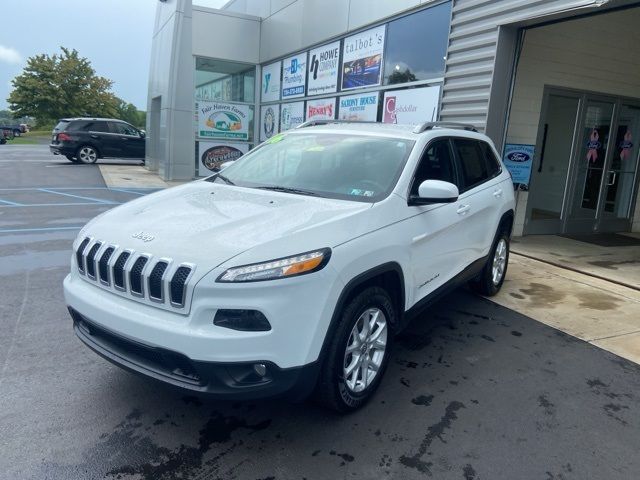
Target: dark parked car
<point x="85" y="140"/>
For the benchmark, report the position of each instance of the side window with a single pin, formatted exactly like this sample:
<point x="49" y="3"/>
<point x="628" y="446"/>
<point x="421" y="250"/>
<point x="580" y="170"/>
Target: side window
<point x="436" y="164"/>
<point x="493" y="165"/>
<point x="472" y="162"/>
<point x="124" y="129"/>
<point x="80" y="126"/>
<point x="97" y="127"/>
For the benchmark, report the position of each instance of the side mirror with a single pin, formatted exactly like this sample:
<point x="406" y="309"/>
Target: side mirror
<point x="435" y="191"/>
<point x="142" y="133"/>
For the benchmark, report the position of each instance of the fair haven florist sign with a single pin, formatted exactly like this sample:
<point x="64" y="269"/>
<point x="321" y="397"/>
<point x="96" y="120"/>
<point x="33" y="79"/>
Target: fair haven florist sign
<point x="223" y="120"/>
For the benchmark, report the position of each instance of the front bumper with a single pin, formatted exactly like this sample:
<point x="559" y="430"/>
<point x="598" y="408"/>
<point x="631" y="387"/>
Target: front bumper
<point x="237" y="380"/>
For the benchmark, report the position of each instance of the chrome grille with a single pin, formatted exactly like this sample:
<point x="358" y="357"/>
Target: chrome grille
<point x="139" y="276"/>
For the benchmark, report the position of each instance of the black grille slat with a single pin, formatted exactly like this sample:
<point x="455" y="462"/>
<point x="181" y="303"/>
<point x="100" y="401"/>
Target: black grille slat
<point x="118" y="270"/>
<point x="91" y="259"/>
<point x="177" y="285"/>
<point x="135" y="276"/>
<point x="155" y="280"/>
<point x="79" y="257"/>
<point x="103" y="265"/>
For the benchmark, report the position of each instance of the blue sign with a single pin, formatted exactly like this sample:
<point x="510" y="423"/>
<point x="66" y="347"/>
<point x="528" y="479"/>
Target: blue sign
<point x="518" y="159"/>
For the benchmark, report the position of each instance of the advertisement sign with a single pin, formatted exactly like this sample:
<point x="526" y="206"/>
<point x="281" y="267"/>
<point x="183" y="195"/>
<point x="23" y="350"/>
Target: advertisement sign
<point x="212" y="156"/>
<point x="271" y="82"/>
<point x="294" y="75"/>
<point x="518" y="159"/>
<point x="291" y="115"/>
<point x="324" y="109"/>
<point x="359" y="107"/>
<point x="269" y="121"/>
<point x="411" y="107"/>
<point x="323" y="69"/>
<point x="362" y="59"/>
<point x="223" y="120"/>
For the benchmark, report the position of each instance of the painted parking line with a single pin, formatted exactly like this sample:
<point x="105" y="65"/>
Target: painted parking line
<point x="96" y="204"/>
<point x="11" y="204"/>
<point x="97" y="200"/>
<point x="46" y="229"/>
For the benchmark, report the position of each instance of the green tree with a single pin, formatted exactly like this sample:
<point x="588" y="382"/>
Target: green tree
<point x="129" y="113"/>
<point x="402" y="77"/>
<point x="61" y="85"/>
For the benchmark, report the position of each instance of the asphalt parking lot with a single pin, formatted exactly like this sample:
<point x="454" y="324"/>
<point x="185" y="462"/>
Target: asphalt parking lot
<point x="473" y="391"/>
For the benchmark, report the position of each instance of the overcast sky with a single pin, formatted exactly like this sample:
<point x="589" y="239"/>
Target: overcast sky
<point x="115" y="35"/>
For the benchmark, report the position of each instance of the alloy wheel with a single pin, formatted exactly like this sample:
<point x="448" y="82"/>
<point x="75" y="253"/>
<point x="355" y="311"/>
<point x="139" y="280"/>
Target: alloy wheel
<point x="499" y="262"/>
<point x="366" y="349"/>
<point x="87" y="155"/>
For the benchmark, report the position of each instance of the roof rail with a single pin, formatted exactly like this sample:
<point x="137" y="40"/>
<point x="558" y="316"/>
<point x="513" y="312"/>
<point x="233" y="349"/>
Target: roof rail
<point x="313" y="123"/>
<point x="431" y="125"/>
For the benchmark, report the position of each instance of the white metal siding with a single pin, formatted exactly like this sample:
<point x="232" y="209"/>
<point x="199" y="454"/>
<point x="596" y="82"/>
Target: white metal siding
<point x="472" y="50"/>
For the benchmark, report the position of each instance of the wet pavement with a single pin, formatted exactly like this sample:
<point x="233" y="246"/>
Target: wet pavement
<point x="473" y="390"/>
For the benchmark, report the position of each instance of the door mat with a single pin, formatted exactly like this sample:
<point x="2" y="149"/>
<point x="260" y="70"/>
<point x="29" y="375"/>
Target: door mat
<point x="606" y="239"/>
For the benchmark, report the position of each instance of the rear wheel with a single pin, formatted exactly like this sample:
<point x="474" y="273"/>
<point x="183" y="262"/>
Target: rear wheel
<point x="87" y="154"/>
<point x="492" y="276"/>
<point x="359" y="351"/>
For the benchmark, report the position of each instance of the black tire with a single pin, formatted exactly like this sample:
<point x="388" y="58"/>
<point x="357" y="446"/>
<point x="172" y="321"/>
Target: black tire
<point x="87" y="154"/>
<point x="489" y="281"/>
<point x="333" y="389"/>
<point x="3" y="141"/>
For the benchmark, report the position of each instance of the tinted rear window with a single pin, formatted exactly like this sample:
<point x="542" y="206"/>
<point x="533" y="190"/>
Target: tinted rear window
<point x="61" y="126"/>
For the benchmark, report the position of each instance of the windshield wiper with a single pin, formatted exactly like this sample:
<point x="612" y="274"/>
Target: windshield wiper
<point x="225" y="179"/>
<point x="287" y="190"/>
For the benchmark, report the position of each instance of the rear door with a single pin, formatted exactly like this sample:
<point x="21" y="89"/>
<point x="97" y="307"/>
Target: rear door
<point x="130" y="142"/>
<point x="481" y="195"/>
<point x="96" y="133"/>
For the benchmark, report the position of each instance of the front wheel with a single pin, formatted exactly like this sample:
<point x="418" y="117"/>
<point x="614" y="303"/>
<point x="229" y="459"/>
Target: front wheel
<point x="359" y="351"/>
<point x="87" y="154"/>
<point x="492" y="276"/>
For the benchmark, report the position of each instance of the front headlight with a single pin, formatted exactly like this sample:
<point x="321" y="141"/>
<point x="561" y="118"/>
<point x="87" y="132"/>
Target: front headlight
<point x="279" y="268"/>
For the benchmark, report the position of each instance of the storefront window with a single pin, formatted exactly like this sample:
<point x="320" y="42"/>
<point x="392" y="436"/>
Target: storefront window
<point x="224" y="81"/>
<point x="417" y="45"/>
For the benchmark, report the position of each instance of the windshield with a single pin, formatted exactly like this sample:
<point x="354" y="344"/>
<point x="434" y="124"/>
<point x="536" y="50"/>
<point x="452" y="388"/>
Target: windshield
<point x="361" y="168"/>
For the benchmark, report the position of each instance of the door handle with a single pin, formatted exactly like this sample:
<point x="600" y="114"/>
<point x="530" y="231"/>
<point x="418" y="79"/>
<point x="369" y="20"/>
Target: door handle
<point x="497" y="193"/>
<point x="463" y="209"/>
<point x="612" y="181"/>
<point x="94" y="136"/>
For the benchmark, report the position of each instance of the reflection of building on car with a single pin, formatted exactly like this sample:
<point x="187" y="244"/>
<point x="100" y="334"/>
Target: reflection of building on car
<point x="85" y="140"/>
<point x="292" y="269"/>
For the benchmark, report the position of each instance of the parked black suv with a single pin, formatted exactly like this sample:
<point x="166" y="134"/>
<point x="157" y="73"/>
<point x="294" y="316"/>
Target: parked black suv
<point x="84" y="140"/>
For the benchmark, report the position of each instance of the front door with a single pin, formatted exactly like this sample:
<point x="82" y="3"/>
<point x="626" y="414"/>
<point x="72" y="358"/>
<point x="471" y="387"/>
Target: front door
<point x="585" y="175"/>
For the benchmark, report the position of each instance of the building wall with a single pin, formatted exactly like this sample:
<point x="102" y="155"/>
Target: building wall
<point x="292" y="25"/>
<point x="584" y="54"/>
<point x="473" y="48"/>
<point x="170" y="101"/>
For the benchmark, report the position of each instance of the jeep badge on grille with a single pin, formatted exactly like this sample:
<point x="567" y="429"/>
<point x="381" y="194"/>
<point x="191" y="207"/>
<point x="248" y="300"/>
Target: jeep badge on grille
<point x="145" y="237"/>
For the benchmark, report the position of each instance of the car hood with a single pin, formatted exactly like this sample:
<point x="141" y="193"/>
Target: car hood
<point x="207" y="224"/>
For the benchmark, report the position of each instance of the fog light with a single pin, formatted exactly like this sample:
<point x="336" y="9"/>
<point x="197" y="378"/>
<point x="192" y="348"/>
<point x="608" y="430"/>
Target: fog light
<point x="261" y="369"/>
<point x="242" y="320"/>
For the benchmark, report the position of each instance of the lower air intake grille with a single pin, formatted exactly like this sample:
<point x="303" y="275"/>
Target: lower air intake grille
<point x="79" y="257"/>
<point x="118" y="270"/>
<point x="155" y="280"/>
<point x="103" y="265"/>
<point x="177" y="285"/>
<point x="135" y="276"/>
<point x="91" y="260"/>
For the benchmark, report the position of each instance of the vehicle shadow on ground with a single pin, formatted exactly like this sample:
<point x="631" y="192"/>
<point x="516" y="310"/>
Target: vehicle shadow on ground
<point x="471" y="388"/>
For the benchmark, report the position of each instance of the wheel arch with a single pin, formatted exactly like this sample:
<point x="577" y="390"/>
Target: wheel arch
<point x="506" y="222"/>
<point x="388" y="276"/>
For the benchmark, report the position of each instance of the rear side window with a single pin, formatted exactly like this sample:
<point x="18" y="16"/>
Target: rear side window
<point x="493" y="165"/>
<point x="90" y="126"/>
<point x="61" y="126"/>
<point x="474" y="162"/>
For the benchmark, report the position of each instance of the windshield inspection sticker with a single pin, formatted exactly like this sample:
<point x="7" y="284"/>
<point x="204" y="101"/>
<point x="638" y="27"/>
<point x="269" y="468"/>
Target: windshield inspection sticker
<point x="361" y="193"/>
<point x="276" y="138"/>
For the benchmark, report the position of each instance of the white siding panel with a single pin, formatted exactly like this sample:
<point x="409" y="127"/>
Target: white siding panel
<point x="472" y="48"/>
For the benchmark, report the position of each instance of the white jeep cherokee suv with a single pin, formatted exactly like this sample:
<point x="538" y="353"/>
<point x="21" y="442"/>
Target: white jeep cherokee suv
<point x="292" y="269"/>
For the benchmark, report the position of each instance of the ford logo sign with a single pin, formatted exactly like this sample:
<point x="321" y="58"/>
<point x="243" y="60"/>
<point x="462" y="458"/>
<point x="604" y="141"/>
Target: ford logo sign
<point x="518" y="157"/>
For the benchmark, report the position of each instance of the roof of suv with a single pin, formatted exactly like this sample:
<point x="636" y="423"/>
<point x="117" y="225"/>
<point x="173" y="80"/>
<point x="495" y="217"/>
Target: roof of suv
<point x="91" y="119"/>
<point x="387" y="129"/>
